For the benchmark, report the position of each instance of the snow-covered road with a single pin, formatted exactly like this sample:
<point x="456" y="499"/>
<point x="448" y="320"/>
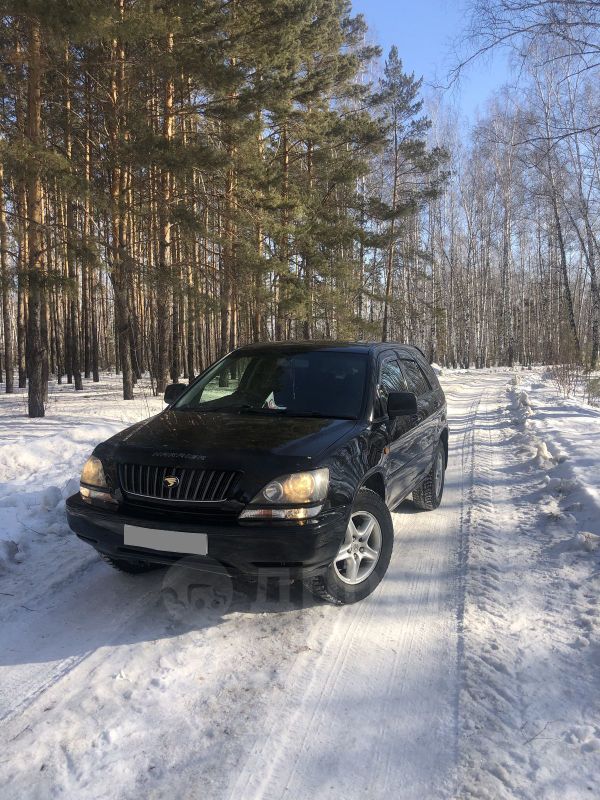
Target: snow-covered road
<point x="111" y="687"/>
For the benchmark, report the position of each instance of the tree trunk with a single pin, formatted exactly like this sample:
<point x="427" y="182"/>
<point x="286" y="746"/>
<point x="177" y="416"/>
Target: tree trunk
<point x="389" y="283"/>
<point x="35" y="341"/>
<point x="164" y="272"/>
<point x="73" y="333"/>
<point x="5" y="287"/>
<point x="565" y="276"/>
<point x="118" y="186"/>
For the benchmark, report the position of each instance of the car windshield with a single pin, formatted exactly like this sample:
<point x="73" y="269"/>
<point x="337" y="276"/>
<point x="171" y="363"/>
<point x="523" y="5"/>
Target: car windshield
<point x="311" y="383"/>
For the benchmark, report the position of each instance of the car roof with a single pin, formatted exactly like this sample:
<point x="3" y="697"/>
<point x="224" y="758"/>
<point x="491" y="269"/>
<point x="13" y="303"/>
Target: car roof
<point x="327" y="345"/>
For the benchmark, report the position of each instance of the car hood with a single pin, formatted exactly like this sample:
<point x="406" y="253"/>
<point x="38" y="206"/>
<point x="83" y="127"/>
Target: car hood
<point x="189" y="433"/>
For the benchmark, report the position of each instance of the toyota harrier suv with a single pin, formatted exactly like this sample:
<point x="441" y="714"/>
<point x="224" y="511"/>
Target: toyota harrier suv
<point x="281" y="460"/>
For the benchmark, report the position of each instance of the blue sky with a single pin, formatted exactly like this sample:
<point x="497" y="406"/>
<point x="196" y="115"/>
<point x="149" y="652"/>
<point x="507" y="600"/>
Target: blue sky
<point x="425" y="33"/>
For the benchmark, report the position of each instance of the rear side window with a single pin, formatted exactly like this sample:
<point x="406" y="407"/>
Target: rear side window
<point x="429" y="372"/>
<point x="415" y="378"/>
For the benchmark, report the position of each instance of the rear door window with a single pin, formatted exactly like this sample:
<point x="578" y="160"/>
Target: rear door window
<point x="429" y="372"/>
<point x="415" y="378"/>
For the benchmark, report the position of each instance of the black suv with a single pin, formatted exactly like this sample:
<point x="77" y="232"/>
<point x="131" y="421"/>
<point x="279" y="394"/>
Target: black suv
<point x="279" y="460"/>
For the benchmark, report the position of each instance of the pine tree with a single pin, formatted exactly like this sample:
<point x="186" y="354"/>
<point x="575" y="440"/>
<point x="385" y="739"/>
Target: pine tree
<point x="412" y="169"/>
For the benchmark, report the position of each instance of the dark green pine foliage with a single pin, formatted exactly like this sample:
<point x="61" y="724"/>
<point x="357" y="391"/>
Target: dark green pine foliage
<point x="411" y="170"/>
<point x="318" y="141"/>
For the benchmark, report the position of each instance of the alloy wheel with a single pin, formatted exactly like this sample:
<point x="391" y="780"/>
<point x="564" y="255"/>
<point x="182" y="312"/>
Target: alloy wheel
<point x="360" y="550"/>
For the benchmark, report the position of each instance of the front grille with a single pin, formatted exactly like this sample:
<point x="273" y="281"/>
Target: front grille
<point x="191" y="485"/>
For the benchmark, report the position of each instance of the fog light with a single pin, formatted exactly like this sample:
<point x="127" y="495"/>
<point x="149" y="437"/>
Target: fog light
<point x="95" y="494"/>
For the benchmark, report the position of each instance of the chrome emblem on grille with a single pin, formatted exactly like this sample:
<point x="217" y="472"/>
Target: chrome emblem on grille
<point x="171" y="481"/>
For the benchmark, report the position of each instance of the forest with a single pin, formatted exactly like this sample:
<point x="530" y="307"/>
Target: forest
<point x="180" y="178"/>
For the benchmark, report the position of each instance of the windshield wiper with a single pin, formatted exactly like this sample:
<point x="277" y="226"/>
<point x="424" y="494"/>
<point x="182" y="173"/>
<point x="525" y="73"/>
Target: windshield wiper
<point x="201" y="408"/>
<point x="265" y="411"/>
<point x="287" y="412"/>
<point x="248" y="409"/>
<point x="315" y="415"/>
<point x="244" y="409"/>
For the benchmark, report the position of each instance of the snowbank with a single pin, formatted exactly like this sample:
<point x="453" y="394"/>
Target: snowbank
<point x="40" y="460"/>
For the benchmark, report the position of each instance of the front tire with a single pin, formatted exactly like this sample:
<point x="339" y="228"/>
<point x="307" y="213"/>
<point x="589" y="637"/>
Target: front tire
<point x="428" y="494"/>
<point x="364" y="554"/>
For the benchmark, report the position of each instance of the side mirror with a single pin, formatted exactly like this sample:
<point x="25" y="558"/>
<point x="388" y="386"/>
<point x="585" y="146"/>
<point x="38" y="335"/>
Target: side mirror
<point x="174" y="391"/>
<point x="402" y="404"/>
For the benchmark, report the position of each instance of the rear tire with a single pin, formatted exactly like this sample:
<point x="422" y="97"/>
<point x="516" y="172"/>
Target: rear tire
<point x="131" y="567"/>
<point x="428" y="494"/>
<point x="364" y="554"/>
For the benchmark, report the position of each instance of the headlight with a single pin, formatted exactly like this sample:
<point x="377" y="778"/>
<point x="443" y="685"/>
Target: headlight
<point x="92" y="473"/>
<point x="299" y="487"/>
<point x="94" y="485"/>
<point x="295" y="489"/>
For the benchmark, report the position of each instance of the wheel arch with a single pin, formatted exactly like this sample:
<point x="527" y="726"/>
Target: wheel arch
<point x="375" y="482"/>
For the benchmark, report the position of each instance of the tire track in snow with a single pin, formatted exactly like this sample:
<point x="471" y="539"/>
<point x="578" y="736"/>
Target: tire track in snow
<point x="492" y="697"/>
<point x="376" y="657"/>
<point x="464" y="485"/>
<point x="278" y="767"/>
<point x="530" y="704"/>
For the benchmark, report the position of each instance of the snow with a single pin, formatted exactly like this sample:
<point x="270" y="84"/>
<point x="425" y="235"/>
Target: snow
<point x="472" y="671"/>
<point x="41" y="460"/>
<point x="529" y="700"/>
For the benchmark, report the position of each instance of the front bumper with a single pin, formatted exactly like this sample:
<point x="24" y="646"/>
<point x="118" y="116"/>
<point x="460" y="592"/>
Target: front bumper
<point x="286" y="550"/>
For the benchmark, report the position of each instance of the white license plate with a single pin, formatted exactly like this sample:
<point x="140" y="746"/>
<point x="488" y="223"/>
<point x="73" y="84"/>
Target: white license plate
<point x="168" y="541"/>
